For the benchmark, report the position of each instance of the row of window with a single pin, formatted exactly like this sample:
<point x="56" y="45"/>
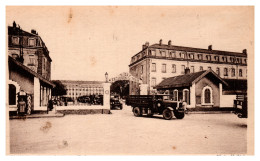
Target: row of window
<point x="98" y="92"/>
<point x="192" y="56"/>
<point x="192" y="70"/>
<point x="31" y="41"/>
<point x="86" y="89"/>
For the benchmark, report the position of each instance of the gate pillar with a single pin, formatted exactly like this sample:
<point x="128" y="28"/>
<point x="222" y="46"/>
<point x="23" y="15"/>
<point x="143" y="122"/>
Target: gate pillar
<point x="106" y="96"/>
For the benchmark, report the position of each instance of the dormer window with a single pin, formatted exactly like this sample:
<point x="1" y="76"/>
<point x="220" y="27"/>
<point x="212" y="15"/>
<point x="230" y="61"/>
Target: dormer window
<point x="200" y="56"/>
<point x="153" y="52"/>
<point x="15" y="40"/>
<point x="208" y="57"/>
<point x="232" y="59"/>
<point x="31" y="42"/>
<point x="216" y="58"/>
<point x="191" y="56"/>
<point x="31" y="60"/>
<point x="162" y="53"/>
<point x="224" y="59"/>
<point x="182" y="55"/>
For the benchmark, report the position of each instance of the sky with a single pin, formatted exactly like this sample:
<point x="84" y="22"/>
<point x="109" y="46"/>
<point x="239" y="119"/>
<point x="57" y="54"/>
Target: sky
<point x="86" y="42"/>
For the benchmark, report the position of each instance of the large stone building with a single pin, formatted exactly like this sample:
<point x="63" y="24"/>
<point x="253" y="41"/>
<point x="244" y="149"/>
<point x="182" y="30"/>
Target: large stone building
<point x="157" y="62"/>
<point x="76" y="88"/>
<point x="29" y="68"/>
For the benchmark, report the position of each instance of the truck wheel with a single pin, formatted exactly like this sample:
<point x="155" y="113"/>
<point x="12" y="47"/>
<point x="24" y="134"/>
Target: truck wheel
<point x="179" y="115"/>
<point x="167" y="114"/>
<point x="137" y="112"/>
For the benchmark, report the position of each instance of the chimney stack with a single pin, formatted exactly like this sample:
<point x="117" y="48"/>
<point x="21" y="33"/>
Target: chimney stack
<point x="145" y="45"/>
<point x="210" y="47"/>
<point x="169" y="42"/>
<point x="187" y="70"/>
<point x="14" y="24"/>
<point x="33" y="31"/>
<point x="160" y="42"/>
<point x="244" y="51"/>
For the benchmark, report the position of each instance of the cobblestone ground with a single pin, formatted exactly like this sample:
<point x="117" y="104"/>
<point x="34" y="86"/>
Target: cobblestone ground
<point x="123" y="134"/>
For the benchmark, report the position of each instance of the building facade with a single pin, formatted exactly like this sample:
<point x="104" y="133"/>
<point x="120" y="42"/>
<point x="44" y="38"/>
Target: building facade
<point x="156" y="62"/>
<point x="30" y="49"/>
<point x="77" y="88"/>
<point x="29" y="68"/>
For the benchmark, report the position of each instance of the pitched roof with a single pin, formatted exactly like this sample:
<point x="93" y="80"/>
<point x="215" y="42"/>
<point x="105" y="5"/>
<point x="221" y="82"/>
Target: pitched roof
<point x="199" y="50"/>
<point x="187" y="79"/>
<point x="20" y="65"/>
<point x="236" y="84"/>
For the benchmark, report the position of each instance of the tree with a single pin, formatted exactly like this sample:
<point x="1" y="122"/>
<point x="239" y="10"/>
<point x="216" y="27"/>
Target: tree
<point x="59" y="89"/>
<point x="120" y="87"/>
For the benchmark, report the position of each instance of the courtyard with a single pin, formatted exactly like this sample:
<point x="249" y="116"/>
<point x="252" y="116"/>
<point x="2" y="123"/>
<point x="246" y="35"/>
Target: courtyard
<point x="120" y="133"/>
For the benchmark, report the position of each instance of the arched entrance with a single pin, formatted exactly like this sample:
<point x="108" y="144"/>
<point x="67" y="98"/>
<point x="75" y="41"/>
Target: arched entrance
<point x="186" y="96"/>
<point x="207" y="97"/>
<point x="13" y="89"/>
<point x="12" y="94"/>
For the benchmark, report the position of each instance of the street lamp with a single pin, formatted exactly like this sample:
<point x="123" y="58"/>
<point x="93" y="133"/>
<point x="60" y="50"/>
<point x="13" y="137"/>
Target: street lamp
<point x="106" y="75"/>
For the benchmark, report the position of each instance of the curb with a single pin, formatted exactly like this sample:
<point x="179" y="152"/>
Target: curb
<point x="36" y="116"/>
<point x="209" y="112"/>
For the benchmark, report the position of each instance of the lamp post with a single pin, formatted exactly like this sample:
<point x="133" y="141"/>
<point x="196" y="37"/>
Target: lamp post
<point x="106" y="76"/>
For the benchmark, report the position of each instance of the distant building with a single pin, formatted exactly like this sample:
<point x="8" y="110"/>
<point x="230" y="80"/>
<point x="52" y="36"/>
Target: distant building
<point x="77" y="88"/>
<point x="29" y="68"/>
<point x="156" y="62"/>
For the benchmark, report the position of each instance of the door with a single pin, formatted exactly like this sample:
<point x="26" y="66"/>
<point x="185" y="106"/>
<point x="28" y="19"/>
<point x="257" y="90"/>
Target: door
<point x="12" y="94"/>
<point x="207" y="96"/>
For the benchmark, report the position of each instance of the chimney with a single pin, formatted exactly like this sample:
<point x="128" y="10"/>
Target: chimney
<point x="14" y="24"/>
<point x="210" y="47"/>
<point x="33" y="31"/>
<point x="145" y="45"/>
<point x="169" y="42"/>
<point x="187" y="70"/>
<point x="244" y="51"/>
<point x="160" y="42"/>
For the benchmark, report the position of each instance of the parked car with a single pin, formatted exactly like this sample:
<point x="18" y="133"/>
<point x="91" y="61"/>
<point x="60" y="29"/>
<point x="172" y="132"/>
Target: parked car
<point x="115" y="103"/>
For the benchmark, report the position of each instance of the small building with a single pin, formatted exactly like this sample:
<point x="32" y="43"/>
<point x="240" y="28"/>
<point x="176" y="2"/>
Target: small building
<point x="22" y="78"/>
<point x="199" y="89"/>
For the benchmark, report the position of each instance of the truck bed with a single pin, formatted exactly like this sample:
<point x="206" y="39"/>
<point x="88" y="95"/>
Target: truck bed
<point x="139" y="100"/>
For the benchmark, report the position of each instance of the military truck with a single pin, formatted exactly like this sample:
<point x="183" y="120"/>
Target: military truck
<point x="156" y="104"/>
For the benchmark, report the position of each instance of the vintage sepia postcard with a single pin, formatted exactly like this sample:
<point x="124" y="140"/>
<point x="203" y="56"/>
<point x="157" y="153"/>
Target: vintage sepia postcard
<point x="130" y="80"/>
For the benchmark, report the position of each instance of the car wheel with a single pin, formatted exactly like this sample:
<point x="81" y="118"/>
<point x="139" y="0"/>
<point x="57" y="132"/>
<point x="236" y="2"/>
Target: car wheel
<point x="137" y="112"/>
<point x="167" y="114"/>
<point x="179" y="115"/>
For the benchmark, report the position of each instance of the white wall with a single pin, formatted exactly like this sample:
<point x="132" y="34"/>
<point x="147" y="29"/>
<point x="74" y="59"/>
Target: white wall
<point x="227" y="100"/>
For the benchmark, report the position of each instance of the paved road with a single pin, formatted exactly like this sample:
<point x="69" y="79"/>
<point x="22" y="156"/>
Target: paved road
<point x="121" y="133"/>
